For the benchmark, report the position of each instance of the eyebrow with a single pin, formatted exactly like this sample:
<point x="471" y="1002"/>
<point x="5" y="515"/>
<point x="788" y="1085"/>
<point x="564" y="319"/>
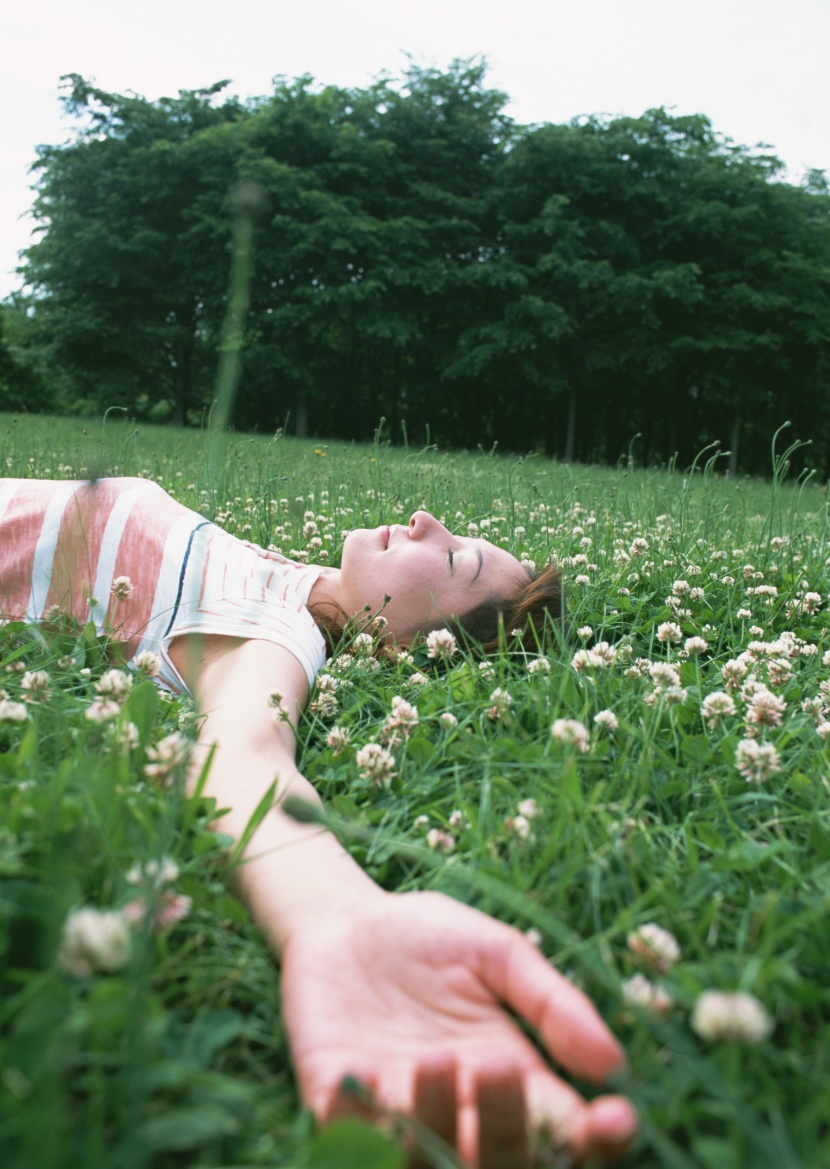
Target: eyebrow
<point x="480" y="556"/>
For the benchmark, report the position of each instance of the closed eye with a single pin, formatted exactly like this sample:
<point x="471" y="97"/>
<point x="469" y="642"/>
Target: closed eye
<point x="450" y="554"/>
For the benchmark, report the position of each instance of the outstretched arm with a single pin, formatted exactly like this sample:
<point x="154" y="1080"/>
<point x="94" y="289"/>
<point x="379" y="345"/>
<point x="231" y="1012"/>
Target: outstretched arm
<point x="407" y="992"/>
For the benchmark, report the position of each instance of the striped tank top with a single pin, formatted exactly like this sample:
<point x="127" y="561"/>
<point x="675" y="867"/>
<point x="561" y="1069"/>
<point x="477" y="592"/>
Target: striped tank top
<point x="64" y="543"/>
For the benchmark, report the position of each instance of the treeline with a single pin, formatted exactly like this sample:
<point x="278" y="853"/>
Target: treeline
<point x="419" y="257"/>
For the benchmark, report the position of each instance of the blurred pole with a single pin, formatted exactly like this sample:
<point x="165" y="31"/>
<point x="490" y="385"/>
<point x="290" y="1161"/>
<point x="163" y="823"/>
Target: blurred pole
<point x="247" y="202"/>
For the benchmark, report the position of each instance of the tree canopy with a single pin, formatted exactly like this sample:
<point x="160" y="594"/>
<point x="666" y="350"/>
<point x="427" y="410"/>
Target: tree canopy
<point x="424" y="259"/>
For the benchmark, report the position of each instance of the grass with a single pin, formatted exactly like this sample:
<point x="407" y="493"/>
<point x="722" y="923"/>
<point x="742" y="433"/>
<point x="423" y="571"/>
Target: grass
<point x="178" y="1058"/>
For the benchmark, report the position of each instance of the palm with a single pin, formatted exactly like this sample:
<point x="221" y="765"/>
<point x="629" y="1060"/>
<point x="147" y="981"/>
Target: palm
<point x="421" y="977"/>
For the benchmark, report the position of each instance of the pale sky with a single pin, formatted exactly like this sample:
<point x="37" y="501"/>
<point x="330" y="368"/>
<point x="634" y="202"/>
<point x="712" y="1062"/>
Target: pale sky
<point x="756" y="68"/>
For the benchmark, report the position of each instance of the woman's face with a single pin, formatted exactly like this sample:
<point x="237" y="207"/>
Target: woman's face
<point x="429" y="574"/>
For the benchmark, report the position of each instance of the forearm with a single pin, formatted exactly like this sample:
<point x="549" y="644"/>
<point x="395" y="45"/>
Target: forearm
<point x="291" y="872"/>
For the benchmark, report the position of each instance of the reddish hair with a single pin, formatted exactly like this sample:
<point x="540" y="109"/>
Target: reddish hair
<point x="535" y="610"/>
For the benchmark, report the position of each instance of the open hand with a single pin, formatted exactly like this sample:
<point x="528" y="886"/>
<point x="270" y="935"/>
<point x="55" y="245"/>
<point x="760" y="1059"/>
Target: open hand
<point x="411" y="995"/>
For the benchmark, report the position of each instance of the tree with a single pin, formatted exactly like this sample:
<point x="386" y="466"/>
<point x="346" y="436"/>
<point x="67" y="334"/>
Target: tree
<point x="124" y="284"/>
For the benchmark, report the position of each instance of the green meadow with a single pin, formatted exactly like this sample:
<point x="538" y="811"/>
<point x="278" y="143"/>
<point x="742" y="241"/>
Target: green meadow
<point x="664" y="762"/>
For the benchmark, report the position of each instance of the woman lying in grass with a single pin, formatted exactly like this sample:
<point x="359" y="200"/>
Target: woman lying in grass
<point x="410" y="993"/>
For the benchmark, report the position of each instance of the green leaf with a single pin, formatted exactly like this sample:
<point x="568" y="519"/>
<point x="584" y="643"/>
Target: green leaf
<point x="142" y="707"/>
<point x="186" y="1128"/>
<point x="707" y="835"/>
<point x="211" y="1032"/>
<point x="696" y="747"/>
<point x="351" y="1143"/>
<point x="257" y="816"/>
<point x="420" y="750"/>
<point x="571" y="783"/>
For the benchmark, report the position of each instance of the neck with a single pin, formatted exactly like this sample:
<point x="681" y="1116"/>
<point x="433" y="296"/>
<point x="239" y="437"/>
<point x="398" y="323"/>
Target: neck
<point x="325" y="591"/>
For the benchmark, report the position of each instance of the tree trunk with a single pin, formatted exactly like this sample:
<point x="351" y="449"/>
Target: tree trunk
<point x="570" y="433"/>
<point x="301" y="423"/>
<point x="733" y="443"/>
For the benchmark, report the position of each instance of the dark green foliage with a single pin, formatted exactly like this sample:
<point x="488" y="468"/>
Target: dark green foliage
<point x="423" y="259"/>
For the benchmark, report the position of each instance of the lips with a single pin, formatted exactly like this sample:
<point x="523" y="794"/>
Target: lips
<point x="385" y="533"/>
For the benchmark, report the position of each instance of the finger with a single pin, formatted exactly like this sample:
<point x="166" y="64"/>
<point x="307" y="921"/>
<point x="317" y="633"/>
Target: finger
<point x="565" y="1017"/>
<point x="436" y="1100"/>
<point x="604" y="1129"/>
<point x="599" y="1131"/>
<point x="502" y="1120"/>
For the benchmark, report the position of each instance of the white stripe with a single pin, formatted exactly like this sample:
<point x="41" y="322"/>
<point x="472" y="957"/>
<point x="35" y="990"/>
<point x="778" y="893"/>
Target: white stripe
<point x="45" y="551"/>
<point x="110" y="543"/>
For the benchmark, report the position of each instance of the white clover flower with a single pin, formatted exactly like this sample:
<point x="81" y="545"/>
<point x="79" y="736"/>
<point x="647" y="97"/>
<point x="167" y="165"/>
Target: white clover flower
<point x="765" y="708"/>
<point x="501" y="701"/>
<point x="669" y="632"/>
<point x="680" y="587"/>
<point x="582" y="579"/>
<point x="606" y="720"/>
<point x="167" y="757"/>
<point x="528" y="808"/>
<point x="147" y="664"/>
<point x="780" y="671"/>
<point x="717" y="706"/>
<point x="94" y="939"/>
<point x="404" y="714"/>
<point x="114" y="684"/>
<point x="811" y="602"/>
<point x="418" y="679"/>
<point x="124" y="735"/>
<point x="448" y="720"/>
<point x="603" y="655"/>
<point x="538" y="666"/>
<point x="458" y="821"/>
<point x="36" y="684"/>
<point x="363" y="645"/>
<point x="169" y="907"/>
<point x="154" y="873"/>
<point x="122" y="588"/>
<point x="324" y="704"/>
<point x="756" y="761"/>
<point x="733" y="673"/>
<point x="518" y="826"/>
<point x="733" y="1015"/>
<point x="12" y="712"/>
<point x="440" y="841"/>
<point x="338" y="739"/>
<point x="534" y="936"/>
<point x="441" y="644"/>
<point x="655" y="946"/>
<point x="640" y="992"/>
<point x="572" y="733"/>
<point x="102" y="710"/>
<point x="663" y="675"/>
<point x="376" y="764"/>
<point x="584" y="632"/>
<point x="696" y="645"/>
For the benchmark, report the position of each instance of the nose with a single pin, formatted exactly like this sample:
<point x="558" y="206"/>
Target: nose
<point x="422" y="525"/>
